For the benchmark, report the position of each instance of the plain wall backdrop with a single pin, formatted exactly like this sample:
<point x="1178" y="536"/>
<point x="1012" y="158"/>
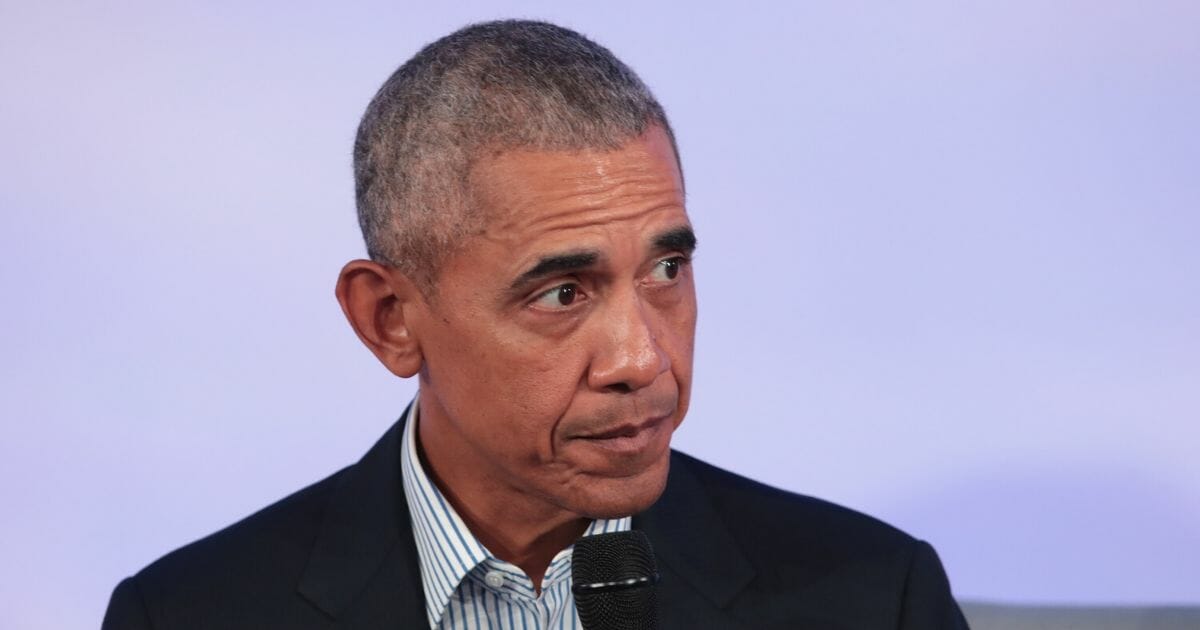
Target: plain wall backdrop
<point x="949" y="272"/>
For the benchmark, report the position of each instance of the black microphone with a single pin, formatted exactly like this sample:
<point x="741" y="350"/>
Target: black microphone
<point x="613" y="578"/>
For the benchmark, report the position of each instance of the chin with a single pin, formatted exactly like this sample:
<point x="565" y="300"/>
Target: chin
<point x="617" y="498"/>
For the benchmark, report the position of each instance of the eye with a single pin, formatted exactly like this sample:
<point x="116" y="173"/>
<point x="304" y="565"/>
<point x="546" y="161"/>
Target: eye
<point x="559" y="297"/>
<point x="668" y="269"/>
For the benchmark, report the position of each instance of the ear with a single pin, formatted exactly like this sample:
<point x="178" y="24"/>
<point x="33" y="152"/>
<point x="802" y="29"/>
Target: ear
<point x="376" y="301"/>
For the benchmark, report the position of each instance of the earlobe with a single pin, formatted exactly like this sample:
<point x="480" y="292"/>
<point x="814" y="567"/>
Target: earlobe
<point x="377" y="302"/>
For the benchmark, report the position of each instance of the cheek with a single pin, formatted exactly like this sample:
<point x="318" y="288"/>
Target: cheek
<point x="545" y="378"/>
<point x="519" y="389"/>
<point x="679" y="327"/>
<point x="679" y="336"/>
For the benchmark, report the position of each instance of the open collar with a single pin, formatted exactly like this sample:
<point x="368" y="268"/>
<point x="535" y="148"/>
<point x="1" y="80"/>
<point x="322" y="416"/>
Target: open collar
<point x="447" y="549"/>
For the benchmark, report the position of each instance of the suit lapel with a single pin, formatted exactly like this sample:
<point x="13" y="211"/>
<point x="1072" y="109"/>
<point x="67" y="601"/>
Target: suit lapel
<point x="702" y="567"/>
<point x="363" y="570"/>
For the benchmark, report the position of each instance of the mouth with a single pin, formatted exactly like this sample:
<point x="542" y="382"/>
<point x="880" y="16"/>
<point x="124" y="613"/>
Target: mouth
<point x="629" y="438"/>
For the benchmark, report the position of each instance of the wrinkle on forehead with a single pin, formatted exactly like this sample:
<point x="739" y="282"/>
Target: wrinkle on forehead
<point x="525" y="189"/>
<point x="575" y="218"/>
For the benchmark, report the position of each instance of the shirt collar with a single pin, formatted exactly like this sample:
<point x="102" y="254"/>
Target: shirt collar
<point x="447" y="550"/>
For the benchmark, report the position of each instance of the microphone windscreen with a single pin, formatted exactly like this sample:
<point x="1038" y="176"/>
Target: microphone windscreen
<point x="613" y="577"/>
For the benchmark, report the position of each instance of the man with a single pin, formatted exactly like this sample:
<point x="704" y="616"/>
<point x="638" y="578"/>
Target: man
<point x="521" y="198"/>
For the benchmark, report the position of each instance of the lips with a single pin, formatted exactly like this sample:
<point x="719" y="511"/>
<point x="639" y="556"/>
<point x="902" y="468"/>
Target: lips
<point x="629" y="430"/>
<point x="624" y="430"/>
<point x="628" y="439"/>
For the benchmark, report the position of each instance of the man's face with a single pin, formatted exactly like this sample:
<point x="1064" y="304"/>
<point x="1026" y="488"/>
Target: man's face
<point x="558" y="348"/>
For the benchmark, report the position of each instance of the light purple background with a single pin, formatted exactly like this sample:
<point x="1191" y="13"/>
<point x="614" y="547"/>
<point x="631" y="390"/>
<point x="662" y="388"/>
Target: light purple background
<point x="949" y="272"/>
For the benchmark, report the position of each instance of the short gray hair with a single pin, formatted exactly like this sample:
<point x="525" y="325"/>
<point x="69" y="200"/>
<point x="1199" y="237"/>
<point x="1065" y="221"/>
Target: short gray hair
<point x="489" y="86"/>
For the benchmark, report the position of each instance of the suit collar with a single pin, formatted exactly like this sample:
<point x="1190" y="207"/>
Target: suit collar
<point x="364" y="553"/>
<point x="690" y="538"/>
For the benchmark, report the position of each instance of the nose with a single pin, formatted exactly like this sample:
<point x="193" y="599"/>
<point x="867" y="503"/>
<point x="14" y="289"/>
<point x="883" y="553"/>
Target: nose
<point x="628" y="355"/>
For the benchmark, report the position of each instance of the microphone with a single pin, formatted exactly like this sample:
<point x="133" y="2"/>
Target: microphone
<point x="613" y="577"/>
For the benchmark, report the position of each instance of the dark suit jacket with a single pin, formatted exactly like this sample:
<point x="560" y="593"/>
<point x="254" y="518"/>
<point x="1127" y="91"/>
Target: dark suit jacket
<point x="732" y="553"/>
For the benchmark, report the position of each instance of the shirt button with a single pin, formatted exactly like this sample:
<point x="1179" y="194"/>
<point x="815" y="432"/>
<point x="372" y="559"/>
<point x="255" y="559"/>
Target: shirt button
<point x="494" y="579"/>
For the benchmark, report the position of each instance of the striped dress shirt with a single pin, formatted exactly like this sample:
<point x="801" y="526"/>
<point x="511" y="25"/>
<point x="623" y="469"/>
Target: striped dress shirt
<point x="466" y="587"/>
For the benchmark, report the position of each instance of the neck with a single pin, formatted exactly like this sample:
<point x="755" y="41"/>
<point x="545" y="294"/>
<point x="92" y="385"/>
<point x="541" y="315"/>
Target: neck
<point x="515" y="527"/>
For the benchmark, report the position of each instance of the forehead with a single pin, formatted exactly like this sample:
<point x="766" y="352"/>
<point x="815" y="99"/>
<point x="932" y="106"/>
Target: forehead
<point x="527" y="194"/>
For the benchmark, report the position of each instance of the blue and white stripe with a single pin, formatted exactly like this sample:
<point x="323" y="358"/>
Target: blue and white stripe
<point x="462" y="579"/>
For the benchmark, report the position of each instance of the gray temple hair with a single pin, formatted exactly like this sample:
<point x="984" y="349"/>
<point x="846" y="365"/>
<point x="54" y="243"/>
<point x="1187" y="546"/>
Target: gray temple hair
<point x="488" y="87"/>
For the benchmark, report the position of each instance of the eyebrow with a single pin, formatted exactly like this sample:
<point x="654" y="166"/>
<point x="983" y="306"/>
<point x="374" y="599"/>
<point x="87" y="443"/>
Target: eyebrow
<point x="557" y="264"/>
<point x="681" y="238"/>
